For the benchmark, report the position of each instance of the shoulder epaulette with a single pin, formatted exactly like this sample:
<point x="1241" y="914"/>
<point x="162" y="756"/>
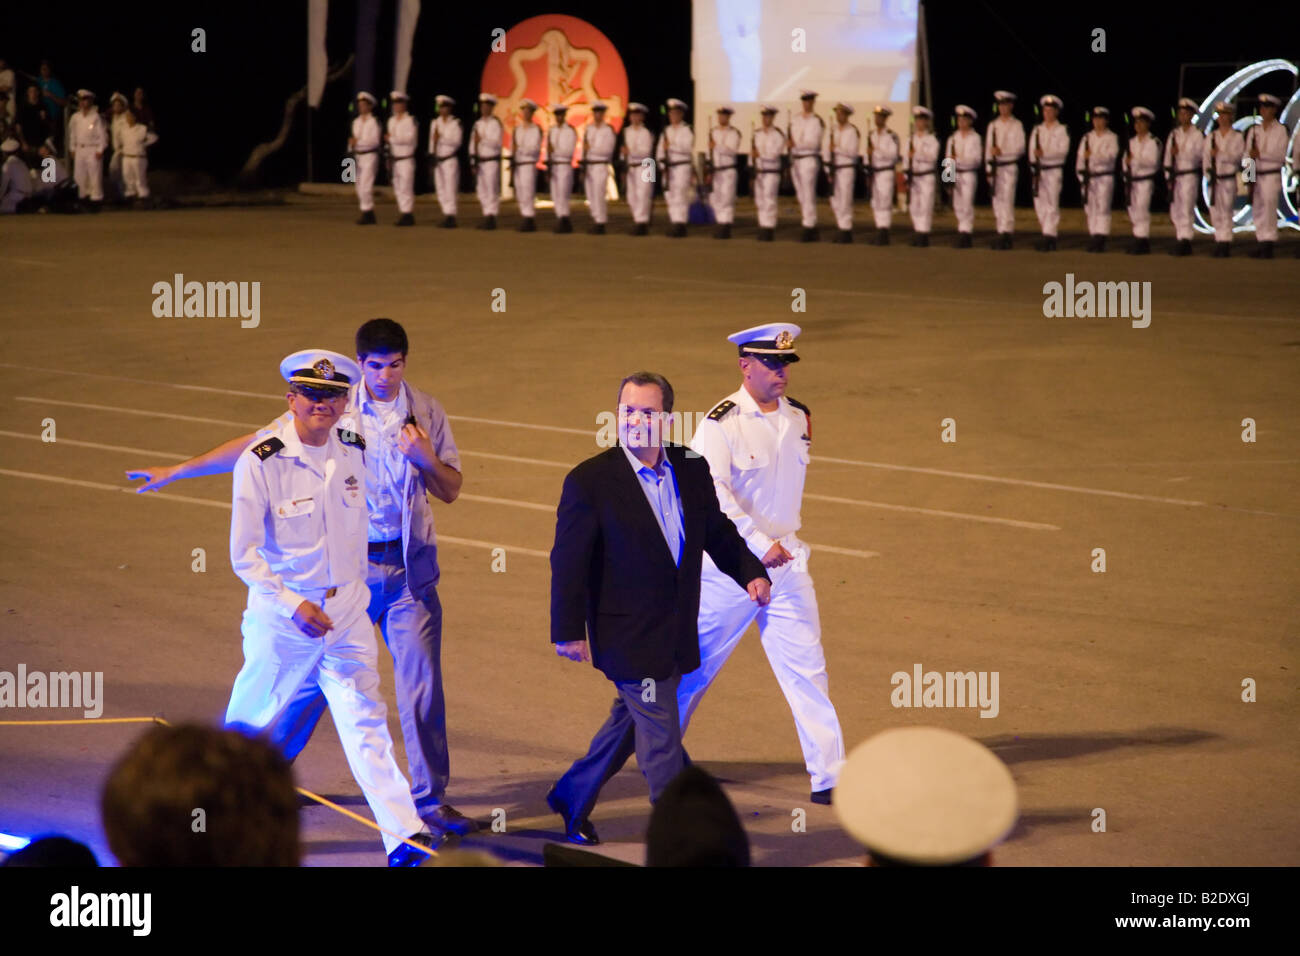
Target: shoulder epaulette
<point x="799" y="405"/>
<point x="721" y="409"/>
<point x="351" y="438"/>
<point x="266" y="449"/>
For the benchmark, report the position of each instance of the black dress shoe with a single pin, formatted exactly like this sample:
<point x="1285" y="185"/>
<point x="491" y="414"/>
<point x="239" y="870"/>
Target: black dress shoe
<point x="843" y="237"/>
<point x="1183" y="247"/>
<point x="528" y="224"/>
<point x="1221" y="250"/>
<point x="766" y="235"/>
<point x="963" y="240"/>
<point x="367" y="218"/>
<point x="563" y="225"/>
<point x="405" y="219"/>
<point x="490" y="222"/>
<point x="641" y="229"/>
<point x="822" y="796"/>
<point x="809" y="234"/>
<point x="447" y="819"/>
<point x="448" y="222"/>
<point x="1263" y="251"/>
<point x="405" y="855"/>
<point x="723" y="231"/>
<point x="882" y="238"/>
<point x="580" y="832"/>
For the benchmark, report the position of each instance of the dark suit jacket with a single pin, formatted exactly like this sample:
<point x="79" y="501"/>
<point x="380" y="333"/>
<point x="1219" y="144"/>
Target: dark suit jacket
<point x="613" y="581"/>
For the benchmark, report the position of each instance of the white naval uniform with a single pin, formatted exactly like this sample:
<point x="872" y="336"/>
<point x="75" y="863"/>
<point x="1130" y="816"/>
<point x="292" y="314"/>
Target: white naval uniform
<point x="598" y="144"/>
<point x="486" y="148"/>
<point x="1221" y="159"/>
<point x="402" y="135"/>
<point x="525" y="151"/>
<point x="640" y="144"/>
<point x="1141" y="166"/>
<point x="674" y="156"/>
<point x="561" y="141"/>
<point x="1095" y="159"/>
<point x="445" y="137"/>
<point x="87" y="138"/>
<point x="882" y="156"/>
<point x="842" y="153"/>
<point x="723" y="150"/>
<point x="766" y="154"/>
<point x="1009" y="137"/>
<point x="1271" y="141"/>
<point x="758" y="465"/>
<point x="298" y="529"/>
<point x="15" y="183"/>
<point x="1183" y="170"/>
<point x="365" y="149"/>
<point x="1054" y="141"/>
<point x="964" y="150"/>
<point x="807" y="130"/>
<point x="136" y="141"/>
<point x="923" y="149"/>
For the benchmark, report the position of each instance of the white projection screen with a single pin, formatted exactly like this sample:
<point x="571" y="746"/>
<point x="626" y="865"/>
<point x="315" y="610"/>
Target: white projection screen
<point x="746" y="52"/>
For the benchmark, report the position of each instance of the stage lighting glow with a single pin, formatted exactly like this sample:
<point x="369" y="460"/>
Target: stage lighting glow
<point x="12" y="844"/>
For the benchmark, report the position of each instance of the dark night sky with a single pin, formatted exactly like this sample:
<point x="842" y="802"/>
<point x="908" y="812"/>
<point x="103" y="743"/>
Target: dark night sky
<point x="213" y="107"/>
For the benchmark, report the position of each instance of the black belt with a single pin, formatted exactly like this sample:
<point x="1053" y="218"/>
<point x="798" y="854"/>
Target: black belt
<point x="362" y="152"/>
<point x="383" y="547"/>
<point x="1267" y="172"/>
<point x="1231" y="175"/>
<point x="1057" y="166"/>
<point x="488" y="159"/>
<point x="1182" y="172"/>
<point x="928" y="172"/>
<point x="880" y="169"/>
<point x="1141" y="179"/>
<point x="402" y="159"/>
<point x="1088" y="175"/>
<point x="133" y="155"/>
<point x="846" y="166"/>
<point x="767" y="172"/>
<point x="442" y="159"/>
<point x="595" y="162"/>
<point x="676" y="162"/>
<point x="568" y="161"/>
<point x="721" y="169"/>
<point x="1005" y="162"/>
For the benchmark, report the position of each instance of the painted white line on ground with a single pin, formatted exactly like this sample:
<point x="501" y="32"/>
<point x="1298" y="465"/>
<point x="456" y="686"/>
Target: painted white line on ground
<point x="1032" y="525"/>
<point x="512" y="502"/>
<point x="135" y="411"/>
<point x="849" y="551"/>
<point x="97" y="445"/>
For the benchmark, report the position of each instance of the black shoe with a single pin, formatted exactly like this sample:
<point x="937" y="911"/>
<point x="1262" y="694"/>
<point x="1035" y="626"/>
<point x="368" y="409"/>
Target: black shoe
<point x="579" y="832"/>
<point x="766" y="235"/>
<point x="822" y="796"/>
<point x="963" y="240"/>
<point x="882" y="238"/>
<point x="490" y="222"/>
<point x="405" y="219"/>
<point x="448" y="222"/>
<point x="809" y="234"/>
<point x="597" y="229"/>
<point x="447" y="819"/>
<point x="723" y="231"/>
<point x="563" y="225"/>
<point x="1042" y="245"/>
<point x="1220" y="250"/>
<point x="1263" y="251"/>
<point x="843" y="237"/>
<point x="1183" y="247"/>
<point x="925" y="240"/>
<point x="367" y="218"/>
<point x="528" y="224"/>
<point x="406" y="855"/>
<point x="1141" y="247"/>
<point x="677" y="230"/>
<point x="641" y="229"/>
<point x="1003" y="241"/>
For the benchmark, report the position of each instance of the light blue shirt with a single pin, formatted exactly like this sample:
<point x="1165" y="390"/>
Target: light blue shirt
<point x="660" y="489"/>
<point x="381" y="423"/>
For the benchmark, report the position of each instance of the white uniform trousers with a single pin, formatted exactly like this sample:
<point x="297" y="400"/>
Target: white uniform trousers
<point x="595" y="180"/>
<point x="678" y="191"/>
<point x="920" y="201"/>
<point x="561" y="188"/>
<point x="1101" y="193"/>
<point x="488" y="185"/>
<point x="1139" y="207"/>
<point x="446" y="182"/>
<point x="88" y="170"/>
<point x="842" y="198"/>
<point x="135" y="176"/>
<point x="963" y="201"/>
<point x="803" y="172"/>
<point x="1004" y="196"/>
<point x="367" y="166"/>
<point x="279" y="659"/>
<point x="882" y="197"/>
<point x="1047" y="201"/>
<point x="1263" y="210"/>
<point x="404" y="184"/>
<point x="723" y="196"/>
<point x="1183" y="202"/>
<point x="1223" y="199"/>
<point x="640" y="194"/>
<point x="525" y="188"/>
<point x="766" y="186"/>
<point x="790" y="630"/>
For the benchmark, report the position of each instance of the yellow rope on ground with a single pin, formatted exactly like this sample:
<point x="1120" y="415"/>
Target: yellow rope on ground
<point x="162" y="720"/>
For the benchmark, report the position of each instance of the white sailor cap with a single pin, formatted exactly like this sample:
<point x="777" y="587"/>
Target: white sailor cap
<point x="767" y="108"/>
<point x="922" y="111"/>
<point x="924" y="796"/>
<point x="368" y="97"/>
<point x="774" y="342"/>
<point x="10" y="145"/>
<point x="1223" y="106"/>
<point x="558" y="108"/>
<point x="1268" y="99"/>
<point x="320" y="369"/>
<point x="637" y="108"/>
<point x="599" y="106"/>
<point x="1050" y="100"/>
<point x="1101" y="111"/>
<point x="1141" y="112"/>
<point x="845" y="107"/>
<point x="116" y="96"/>
<point x="724" y="108"/>
<point x="442" y="99"/>
<point x="82" y="94"/>
<point x="1004" y="96"/>
<point x="398" y="96"/>
<point x="961" y="109"/>
<point x="882" y="111"/>
<point x="674" y="103"/>
<point x="487" y="98"/>
<point x="527" y="103"/>
<point x="1187" y="103"/>
<point x="807" y="94"/>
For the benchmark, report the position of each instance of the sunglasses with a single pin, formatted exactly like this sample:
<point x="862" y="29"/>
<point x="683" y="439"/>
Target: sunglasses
<point x="319" y="394"/>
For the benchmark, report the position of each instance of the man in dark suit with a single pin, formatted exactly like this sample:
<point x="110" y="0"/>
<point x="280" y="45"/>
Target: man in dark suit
<point x="630" y="532"/>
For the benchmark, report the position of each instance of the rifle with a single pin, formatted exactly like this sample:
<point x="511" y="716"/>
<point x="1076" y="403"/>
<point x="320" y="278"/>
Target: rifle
<point x="708" y="158"/>
<point x="1034" y="163"/>
<point x="753" y="155"/>
<point x="991" y="172"/>
<point x="871" y="167"/>
<point x="1171" y="171"/>
<point x="949" y="188"/>
<point x="1128" y="174"/>
<point x="1087" y="164"/>
<point x="907" y="175"/>
<point x="1250" y="187"/>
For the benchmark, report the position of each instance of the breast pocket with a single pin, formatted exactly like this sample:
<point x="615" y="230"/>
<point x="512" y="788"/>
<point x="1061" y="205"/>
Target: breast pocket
<point x="296" y="523"/>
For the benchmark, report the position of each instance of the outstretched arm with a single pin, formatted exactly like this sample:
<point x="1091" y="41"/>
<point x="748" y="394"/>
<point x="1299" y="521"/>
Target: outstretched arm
<point x="215" y="461"/>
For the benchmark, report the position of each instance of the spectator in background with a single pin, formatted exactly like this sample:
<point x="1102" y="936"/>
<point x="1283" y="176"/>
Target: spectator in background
<point x="33" y="122"/>
<point x="55" y="188"/>
<point x="15" y="179"/>
<point x="135" y="141"/>
<point x="694" y="824"/>
<point x="56" y="98"/>
<point x="7" y="88"/>
<point x="143" y="111"/>
<point x="199" y="796"/>
<point x="116" y="123"/>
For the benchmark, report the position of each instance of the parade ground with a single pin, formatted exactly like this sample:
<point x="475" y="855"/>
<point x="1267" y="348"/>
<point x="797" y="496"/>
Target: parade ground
<point x="1147" y="711"/>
